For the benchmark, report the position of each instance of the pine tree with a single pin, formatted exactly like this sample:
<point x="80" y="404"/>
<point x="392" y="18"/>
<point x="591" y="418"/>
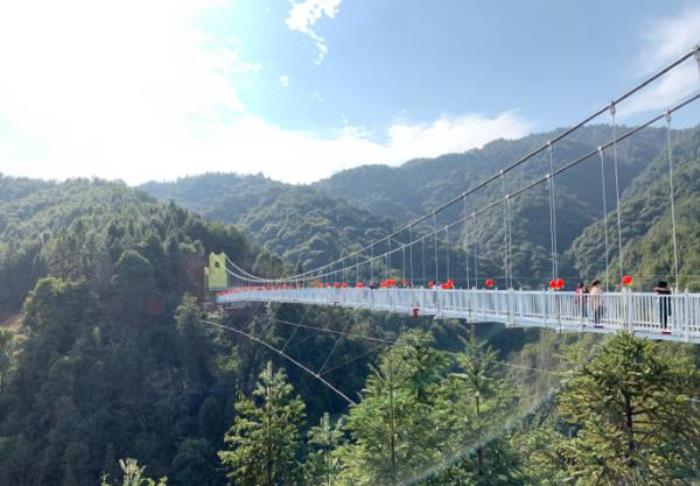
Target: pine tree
<point x="396" y="427"/>
<point x="264" y="438"/>
<point x="322" y="465"/>
<point x="482" y="401"/>
<point x="133" y="475"/>
<point x="194" y="346"/>
<point x="637" y="423"/>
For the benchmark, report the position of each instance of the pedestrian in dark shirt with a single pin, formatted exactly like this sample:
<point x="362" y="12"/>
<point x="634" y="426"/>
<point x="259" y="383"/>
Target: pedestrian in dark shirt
<point x="582" y="299"/>
<point x="664" y="302"/>
<point x="595" y="300"/>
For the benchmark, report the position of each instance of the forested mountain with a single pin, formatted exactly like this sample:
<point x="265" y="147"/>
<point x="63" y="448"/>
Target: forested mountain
<point x="275" y="214"/>
<point x="304" y="225"/>
<point x="647" y="223"/>
<point x="418" y="186"/>
<point x="114" y="357"/>
<point x="80" y="229"/>
<point x="98" y="365"/>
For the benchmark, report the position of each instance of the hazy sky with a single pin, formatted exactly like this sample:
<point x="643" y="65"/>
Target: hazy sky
<point x="156" y="89"/>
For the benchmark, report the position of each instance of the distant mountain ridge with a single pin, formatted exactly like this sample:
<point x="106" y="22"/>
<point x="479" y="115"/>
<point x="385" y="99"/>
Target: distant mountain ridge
<point x="359" y="204"/>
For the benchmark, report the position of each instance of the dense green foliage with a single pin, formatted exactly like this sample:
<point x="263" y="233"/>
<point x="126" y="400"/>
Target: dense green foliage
<point x="103" y="366"/>
<point x="81" y="228"/>
<point x="313" y="224"/>
<point x="302" y="224"/>
<point x="433" y="417"/>
<point x="133" y="475"/>
<point x="112" y="355"/>
<point x="264" y="437"/>
<point x="646" y="222"/>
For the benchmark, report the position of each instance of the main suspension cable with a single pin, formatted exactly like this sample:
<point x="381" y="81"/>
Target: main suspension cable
<point x="521" y="190"/>
<point x="311" y="274"/>
<point x="285" y="356"/>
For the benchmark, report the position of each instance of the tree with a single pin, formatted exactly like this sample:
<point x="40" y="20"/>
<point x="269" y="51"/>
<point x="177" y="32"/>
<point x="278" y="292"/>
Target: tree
<point x="133" y="475"/>
<point x="134" y="282"/>
<point x="322" y="464"/>
<point x="56" y="313"/>
<point x="5" y="361"/>
<point x="194" y="463"/>
<point x="396" y="427"/>
<point x="482" y="400"/>
<point x="194" y="345"/>
<point x="636" y="421"/>
<point x="264" y="438"/>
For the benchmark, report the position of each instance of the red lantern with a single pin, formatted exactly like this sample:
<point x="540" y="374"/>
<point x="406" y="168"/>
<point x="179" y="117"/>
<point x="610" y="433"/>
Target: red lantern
<point x="489" y="283"/>
<point x="560" y="283"/>
<point x="553" y="284"/>
<point x="627" y="280"/>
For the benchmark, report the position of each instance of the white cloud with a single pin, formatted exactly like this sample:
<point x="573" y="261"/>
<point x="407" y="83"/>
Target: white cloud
<point x="304" y="157"/>
<point x="284" y="80"/>
<point x="130" y="90"/>
<point x="251" y="145"/>
<point x="663" y="40"/>
<point x="304" y="15"/>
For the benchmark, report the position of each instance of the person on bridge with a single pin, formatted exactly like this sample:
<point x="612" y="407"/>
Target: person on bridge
<point x="596" y="302"/>
<point x="664" y="302"/>
<point x="582" y="299"/>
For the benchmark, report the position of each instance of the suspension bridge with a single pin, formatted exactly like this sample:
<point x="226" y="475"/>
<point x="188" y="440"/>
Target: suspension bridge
<point x="369" y="279"/>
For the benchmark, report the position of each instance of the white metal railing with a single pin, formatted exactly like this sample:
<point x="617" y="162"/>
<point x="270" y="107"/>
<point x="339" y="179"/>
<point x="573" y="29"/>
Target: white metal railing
<point x="674" y="317"/>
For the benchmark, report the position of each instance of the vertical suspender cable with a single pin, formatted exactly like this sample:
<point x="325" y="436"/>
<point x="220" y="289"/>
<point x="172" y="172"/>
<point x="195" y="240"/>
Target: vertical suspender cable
<point x="552" y="212"/>
<point x="510" y="244"/>
<point x="476" y="259"/>
<point x="673" y="203"/>
<point x="403" y="258"/>
<point x="507" y="251"/>
<point x="371" y="265"/>
<point x="422" y="244"/>
<point x="435" y="240"/>
<point x="447" y="253"/>
<point x="466" y="246"/>
<point x="410" y="253"/>
<point x="617" y="188"/>
<point x="505" y="233"/>
<point x="605" y="218"/>
<point x="388" y="256"/>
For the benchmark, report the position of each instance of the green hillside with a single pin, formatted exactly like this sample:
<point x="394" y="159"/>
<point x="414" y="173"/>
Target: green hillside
<point x="113" y="357"/>
<point x="312" y="224"/>
<point x="646" y="222"/>
<point x="301" y="224"/>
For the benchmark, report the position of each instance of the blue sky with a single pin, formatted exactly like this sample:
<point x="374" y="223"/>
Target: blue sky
<point x="297" y="90"/>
